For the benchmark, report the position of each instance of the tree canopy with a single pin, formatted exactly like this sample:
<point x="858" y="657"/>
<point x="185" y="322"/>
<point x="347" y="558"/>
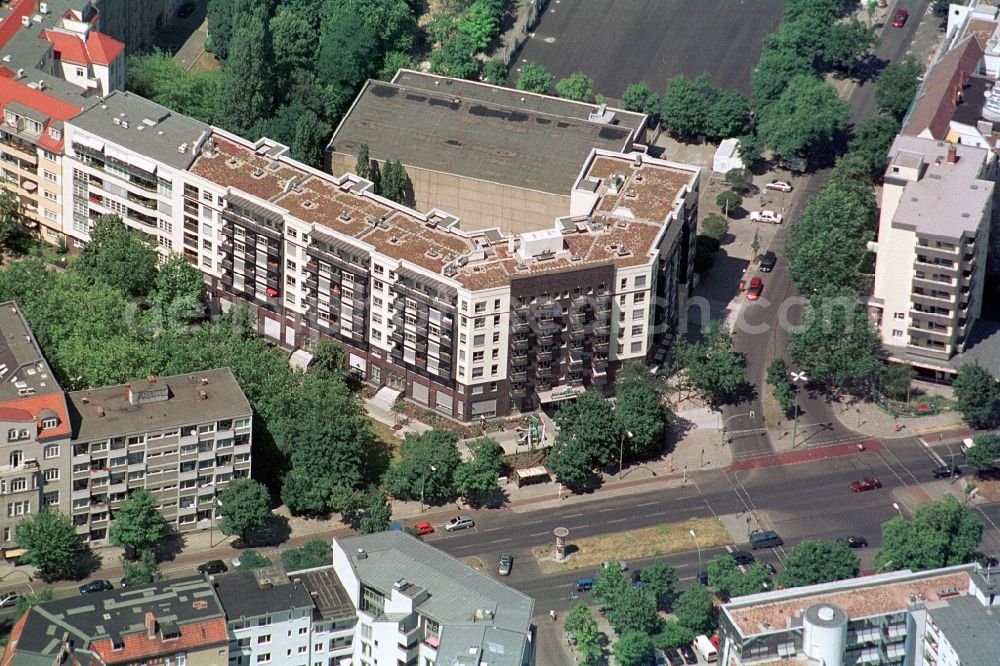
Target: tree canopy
<point x="897" y="85"/>
<point x="119" y="256"/>
<point x="51" y="543"/>
<point x="577" y="86"/>
<point x="983" y="452"/>
<point x="138" y="524"/>
<point x="940" y="534"/>
<point x="712" y="366"/>
<point x="313" y="553"/>
<point x="806" y="115"/>
<point x="816" y="561"/>
<point x="534" y="78"/>
<point x="695" y="609"/>
<point x="586" y="438"/>
<point x="976" y="394"/>
<point x="244" y="505"/>
<point x="426" y="467"/>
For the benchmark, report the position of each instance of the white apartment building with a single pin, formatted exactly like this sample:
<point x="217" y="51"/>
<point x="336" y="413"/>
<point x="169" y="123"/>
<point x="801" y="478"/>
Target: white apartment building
<point x="933" y="238"/>
<point x="938" y="617"/>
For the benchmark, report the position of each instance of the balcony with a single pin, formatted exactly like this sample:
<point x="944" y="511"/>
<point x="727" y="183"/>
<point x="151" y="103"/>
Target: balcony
<point x="601" y="346"/>
<point x="518" y="376"/>
<point x="603" y="329"/>
<point x="519" y="344"/>
<point x="519" y="392"/>
<point x="519" y="326"/>
<point x="546" y="339"/>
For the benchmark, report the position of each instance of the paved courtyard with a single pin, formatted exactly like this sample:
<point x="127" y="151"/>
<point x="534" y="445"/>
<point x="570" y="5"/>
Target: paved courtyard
<point x="617" y="42"/>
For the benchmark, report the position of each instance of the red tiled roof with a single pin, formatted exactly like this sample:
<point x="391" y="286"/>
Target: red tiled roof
<point x="29" y="407"/>
<point x="55" y="108"/>
<point x="103" y="49"/>
<point x="15" y="635"/>
<point x="140" y="646"/>
<point x="936" y="103"/>
<point x="67" y="47"/>
<point x="12" y="22"/>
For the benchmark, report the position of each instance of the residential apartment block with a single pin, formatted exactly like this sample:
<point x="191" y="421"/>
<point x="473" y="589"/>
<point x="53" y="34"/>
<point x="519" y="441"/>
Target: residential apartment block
<point x="934" y="227"/>
<point x="173" y="623"/>
<point x="494" y="157"/>
<point x="939" y="617"/>
<point x="183" y="438"/>
<point x="442" y="314"/>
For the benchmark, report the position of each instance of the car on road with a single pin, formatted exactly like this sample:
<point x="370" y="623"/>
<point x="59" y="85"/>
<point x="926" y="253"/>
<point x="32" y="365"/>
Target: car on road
<point x="186" y="10"/>
<point x="212" y="567"/>
<point x="854" y="542"/>
<point x="899" y="18"/>
<point x="584" y="584"/>
<point x="703" y="577"/>
<point x="423" y="527"/>
<point x="690" y="658"/>
<point x="946" y="472"/>
<point x="674" y="657"/>
<point x="506" y="562"/>
<point x="867" y="483"/>
<point x="742" y="557"/>
<point x="459" y="523"/>
<point x="779" y="186"/>
<point x="756" y="286"/>
<point x="9" y="599"/>
<point x="768" y="216"/>
<point x="767" y="261"/>
<point x="967" y="444"/>
<point x="607" y="564"/>
<point x="96" y="586"/>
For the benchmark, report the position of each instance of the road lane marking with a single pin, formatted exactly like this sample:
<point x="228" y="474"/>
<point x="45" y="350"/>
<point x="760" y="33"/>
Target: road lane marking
<point x="539" y="533"/>
<point x="501" y="540"/>
<point x="646" y="504"/>
<point x="576" y="515"/>
<point x="620" y="520"/>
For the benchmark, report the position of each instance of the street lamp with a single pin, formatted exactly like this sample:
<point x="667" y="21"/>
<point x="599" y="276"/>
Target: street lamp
<point x="896" y="507"/>
<point x="696" y="545"/>
<point x="23" y="573"/>
<point x="621" y="452"/>
<point x="796" y="378"/>
<point x="423" y="483"/>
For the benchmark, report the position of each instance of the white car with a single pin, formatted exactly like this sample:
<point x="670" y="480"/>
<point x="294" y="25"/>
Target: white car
<point x="621" y="565"/>
<point x="766" y="216"/>
<point x="779" y="186"/>
<point x="459" y="523"/>
<point x="9" y="599"/>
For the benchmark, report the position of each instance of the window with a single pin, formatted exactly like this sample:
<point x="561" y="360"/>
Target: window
<point x="496" y="337"/>
<point x="897" y="334"/>
<point x="51" y="196"/>
<point x="303" y="631"/>
<point x="49" y="156"/>
<point x="50" y="215"/>
<point x="264" y="658"/>
<point x="477" y="356"/>
<point x="636" y="330"/>
<point x="51" y="498"/>
<point x="636" y="347"/>
<point x="639" y="298"/>
<point x="18" y="508"/>
<point x="640" y="281"/>
<point x="479" y="340"/>
<point x="477" y="372"/>
<point x="624" y="283"/>
<point x="49" y="176"/>
<point x="899" y="315"/>
<point x="266" y="638"/>
<point x="52" y="474"/>
<point x="51" y="451"/>
<point x="49" y="423"/>
<point x="81" y="72"/>
<point x="18" y="484"/>
<point x="32" y="126"/>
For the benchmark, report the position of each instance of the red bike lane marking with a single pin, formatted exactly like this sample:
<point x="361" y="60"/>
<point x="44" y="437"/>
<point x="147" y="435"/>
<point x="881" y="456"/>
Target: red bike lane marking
<point x="807" y="455"/>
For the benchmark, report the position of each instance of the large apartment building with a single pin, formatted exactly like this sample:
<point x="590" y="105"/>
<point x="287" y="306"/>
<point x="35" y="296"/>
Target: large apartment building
<point x="938" y="617"/>
<point x="183" y="438"/>
<point x="933" y="238"/>
<point x="443" y="314"/>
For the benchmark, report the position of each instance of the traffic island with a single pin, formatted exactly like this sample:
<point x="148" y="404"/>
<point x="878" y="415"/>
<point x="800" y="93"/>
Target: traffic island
<point x="588" y="552"/>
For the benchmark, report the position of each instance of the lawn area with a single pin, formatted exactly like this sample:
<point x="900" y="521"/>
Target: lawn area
<point x="387" y="436"/>
<point x="589" y="552"/>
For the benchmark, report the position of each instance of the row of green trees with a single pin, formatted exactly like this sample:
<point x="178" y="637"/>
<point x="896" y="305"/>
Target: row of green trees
<point x="977" y="395"/>
<point x="594" y="432"/>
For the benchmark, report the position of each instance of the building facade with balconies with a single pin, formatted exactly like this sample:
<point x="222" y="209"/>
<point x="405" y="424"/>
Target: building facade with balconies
<point x="934" y="228"/>
<point x="182" y="438"/>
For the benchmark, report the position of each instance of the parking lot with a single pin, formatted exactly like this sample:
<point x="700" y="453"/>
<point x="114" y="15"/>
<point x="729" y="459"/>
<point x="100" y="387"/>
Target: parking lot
<point x="617" y="42"/>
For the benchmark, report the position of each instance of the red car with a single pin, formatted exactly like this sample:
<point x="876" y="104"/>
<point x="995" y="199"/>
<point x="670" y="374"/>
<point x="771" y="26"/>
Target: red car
<point x="423" y="527"/>
<point x="756" y="286"/>
<point x="899" y="18"/>
<point x="867" y="483"/>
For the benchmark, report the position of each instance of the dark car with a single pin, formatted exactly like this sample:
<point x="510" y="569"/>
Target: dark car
<point x="867" y="483"/>
<point x="584" y="584"/>
<point x="703" y="577"/>
<point x="946" y="472"/>
<point x="186" y="10"/>
<point x="690" y="658"/>
<point x="742" y="557"/>
<point x="767" y="261"/>
<point x="96" y="586"/>
<point x="855" y="542"/>
<point x="212" y="567"/>
<point x="899" y="18"/>
<point x="673" y="656"/>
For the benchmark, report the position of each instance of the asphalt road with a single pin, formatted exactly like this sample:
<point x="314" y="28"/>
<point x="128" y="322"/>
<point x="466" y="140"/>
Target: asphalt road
<point x="817" y="424"/>
<point x="617" y="42"/>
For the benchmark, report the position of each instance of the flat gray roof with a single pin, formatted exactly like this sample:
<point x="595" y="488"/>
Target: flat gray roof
<point x="259" y="592"/>
<point x="223" y="400"/>
<point x="949" y="199"/>
<point x="480" y="131"/>
<point x="972" y="629"/>
<point x="457" y="594"/>
<point x="328" y="593"/>
<point x="153" y="131"/>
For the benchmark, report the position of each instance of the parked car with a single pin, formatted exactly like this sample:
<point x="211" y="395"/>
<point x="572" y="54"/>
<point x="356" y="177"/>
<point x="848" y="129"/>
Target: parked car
<point x="867" y="483"/>
<point x="756" y="286"/>
<point x="854" y="541"/>
<point x="9" y="599"/>
<point x="506" y="562"/>
<point x="459" y="523"/>
<point x="767" y="261"/>
<point x="899" y="18"/>
<point x="967" y="444"/>
<point x="674" y="657"/>
<point x="186" y="10"/>
<point x="768" y="216"/>
<point x="636" y="576"/>
<point x="703" y="577"/>
<point x="779" y="186"/>
<point x="742" y="557"/>
<point x="584" y="584"/>
<point x="212" y="567"/>
<point x="96" y="586"/>
<point x="690" y="658"/>
<point x="622" y="566"/>
<point x="423" y="527"/>
<point x="947" y="471"/>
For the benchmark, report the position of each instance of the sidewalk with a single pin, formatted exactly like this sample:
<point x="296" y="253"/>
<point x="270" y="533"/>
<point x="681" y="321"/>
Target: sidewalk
<point x="867" y="419"/>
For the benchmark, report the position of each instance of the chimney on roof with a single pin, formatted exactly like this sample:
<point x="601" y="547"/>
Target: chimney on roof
<point x="952" y="153"/>
<point x="150" y="625"/>
<point x="151" y="379"/>
<point x="204" y="381"/>
<point x="202" y="395"/>
<point x="100" y="411"/>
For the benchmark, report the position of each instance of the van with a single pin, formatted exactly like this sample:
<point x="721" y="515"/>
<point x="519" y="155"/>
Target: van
<point x="765" y="539"/>
<point x="706" y="649"/>
<point x="584" y="584"/>
<point x="967" y="444"/>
